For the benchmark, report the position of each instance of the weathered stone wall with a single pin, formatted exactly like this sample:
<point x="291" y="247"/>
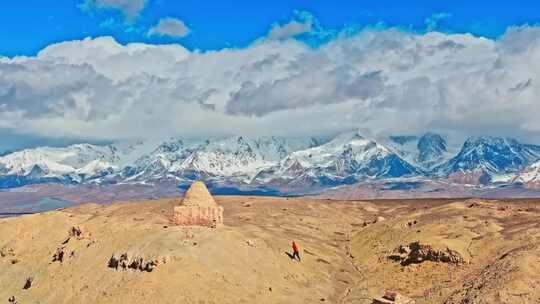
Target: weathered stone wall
<point x="198" y="215"/>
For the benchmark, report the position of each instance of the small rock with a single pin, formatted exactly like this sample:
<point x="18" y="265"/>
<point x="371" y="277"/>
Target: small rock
<point x="28" y="282"/>
<point x="410" y="224"/>
<point x="75" y="231"/>
<point x="7" y="251"/>
<point x="166" y="259"/>
<point x="12" y="300"/>
<point x="59" y="255"/>
<point x="251" y="243"/>
<point x="391" y="297"/>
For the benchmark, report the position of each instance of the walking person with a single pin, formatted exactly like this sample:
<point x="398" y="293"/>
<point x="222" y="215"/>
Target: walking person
<point x="296" y="252"/>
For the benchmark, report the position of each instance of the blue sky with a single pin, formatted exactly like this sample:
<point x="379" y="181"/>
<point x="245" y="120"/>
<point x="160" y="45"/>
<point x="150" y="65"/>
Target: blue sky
<point x="205" y="68"/>
<point x="30" y="25"/>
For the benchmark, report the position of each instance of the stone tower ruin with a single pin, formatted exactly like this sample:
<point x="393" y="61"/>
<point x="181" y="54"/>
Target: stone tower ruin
<point x="198" y="208"/>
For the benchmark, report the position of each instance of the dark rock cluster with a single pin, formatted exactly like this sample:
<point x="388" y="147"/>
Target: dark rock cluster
<point x="126" y="261"/>
<point x="416" y="253"/>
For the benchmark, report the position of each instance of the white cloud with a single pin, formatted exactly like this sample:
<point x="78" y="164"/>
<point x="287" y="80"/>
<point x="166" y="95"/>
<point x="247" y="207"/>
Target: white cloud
<point x="291" y="29"/>
<point x="130" y="8"/>
<point x="383" y="81"/>
<point x="432" y="22"/>
<point x="170" y="27"/>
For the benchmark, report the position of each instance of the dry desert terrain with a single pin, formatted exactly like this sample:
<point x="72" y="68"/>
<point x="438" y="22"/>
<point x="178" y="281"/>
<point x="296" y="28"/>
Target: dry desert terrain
<point x="433" y="251"/>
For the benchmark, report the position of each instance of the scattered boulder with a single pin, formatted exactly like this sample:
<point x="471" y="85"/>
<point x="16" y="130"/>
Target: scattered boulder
<point x="416" y="253"/>
<point x="126" y="261"/>
<point x="411" y="223"/>
<point x="28" y="283"/>
<point x="251" y="243"/>
<point x="7" y="252"/>
<point x="58" y="256"/>
<point x="12" y="300"/>
<point x="75" y="232"/>
<point x="392" y="297"/>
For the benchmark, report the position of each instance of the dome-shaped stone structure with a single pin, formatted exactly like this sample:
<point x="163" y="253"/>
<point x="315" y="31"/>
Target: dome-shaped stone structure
<point x="198" y="195"/>
<point x="198" y="208"/>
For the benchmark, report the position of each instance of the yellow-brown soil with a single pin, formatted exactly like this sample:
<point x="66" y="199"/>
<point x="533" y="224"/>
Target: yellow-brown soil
<point x="344" y="245"/>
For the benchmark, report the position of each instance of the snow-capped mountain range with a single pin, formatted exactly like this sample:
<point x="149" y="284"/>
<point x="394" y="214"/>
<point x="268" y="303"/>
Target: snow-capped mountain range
<point x="293" y="165"/>
<point x="345" y="159"/>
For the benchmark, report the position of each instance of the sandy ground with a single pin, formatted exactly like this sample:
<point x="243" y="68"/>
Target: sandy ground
<point x="345" y="248"/>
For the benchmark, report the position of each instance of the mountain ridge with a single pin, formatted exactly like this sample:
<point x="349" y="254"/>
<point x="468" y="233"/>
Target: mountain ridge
<point x="291" y="165"/>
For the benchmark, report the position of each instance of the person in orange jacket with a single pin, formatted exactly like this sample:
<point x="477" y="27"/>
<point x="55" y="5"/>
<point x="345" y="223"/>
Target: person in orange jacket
<point x="296" y="252"/>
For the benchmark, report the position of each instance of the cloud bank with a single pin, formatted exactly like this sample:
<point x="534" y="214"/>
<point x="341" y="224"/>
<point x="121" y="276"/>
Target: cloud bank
<point x="381" y="81"/>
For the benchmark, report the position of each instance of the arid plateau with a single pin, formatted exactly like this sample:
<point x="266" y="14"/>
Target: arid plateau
<point x="431" y="251"/>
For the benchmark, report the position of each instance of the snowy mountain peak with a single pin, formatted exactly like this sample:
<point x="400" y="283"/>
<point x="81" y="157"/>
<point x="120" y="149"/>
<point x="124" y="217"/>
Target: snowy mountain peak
<point x="237" y="157"/>
<point x="299" y="163"/>
<point x="347" y="157"/>
<point x="425" y="151"/>
<point x="492" y="155"/>
<point x="432" y="148"/>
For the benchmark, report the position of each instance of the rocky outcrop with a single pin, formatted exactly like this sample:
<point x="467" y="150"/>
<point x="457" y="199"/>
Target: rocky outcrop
<point x="73" y="233"/>
<point x="392" y="297"/>
<point x="126" y="261"/>
<point x="416" y="253"/>
<point x="58" y="256"/>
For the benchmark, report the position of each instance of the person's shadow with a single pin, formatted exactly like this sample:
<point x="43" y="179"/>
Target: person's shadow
<point x="290" y="255"/>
